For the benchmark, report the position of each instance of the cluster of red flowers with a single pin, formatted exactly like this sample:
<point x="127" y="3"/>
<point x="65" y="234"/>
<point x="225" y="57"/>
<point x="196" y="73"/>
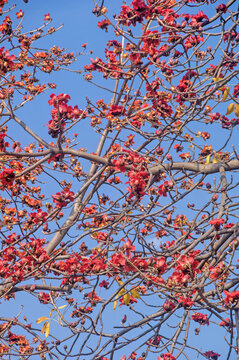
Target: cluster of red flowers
<point x="6" y="61"/>
<point x="7" y="177"/>
<point x="3" y="144"/>
<point x="226" y="323"/>
<point x="185" y="270"/>
<point x="217" y="271"/>
<point x="44" y="297"/>
<point x="169" y="305"/>
<point x="211" y="355"/>
<point x="184" y="87"/>
<point x="61" y="113"/>
<point x="187" y="302"/>
<point x="39" y="216"/>
<point x="217" y="223"/>
<point x="26" y="258"/>
<point x="231" y="299"/>
<point x="138" y="174"/>
<point x="200" y="318"/>
<point x="63" y="198"/>
<point x="166" y="356"/>
<point x="154" y="341"/>
<point x="104" y="24"/>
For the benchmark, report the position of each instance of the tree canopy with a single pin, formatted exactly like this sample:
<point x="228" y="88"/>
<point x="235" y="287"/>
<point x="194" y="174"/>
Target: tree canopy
<point x="119" y="219"/>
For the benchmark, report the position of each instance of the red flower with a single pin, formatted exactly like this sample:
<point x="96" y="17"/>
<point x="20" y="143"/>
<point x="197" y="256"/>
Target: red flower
<point x="20" y="14"/>
<point x="7" y="177"/>
<point x="60" y="98"/>
<point x="128" y="247"/>
<point x="39" y="216"/>
<point x="117" y="260"/>
<point x="131" y="301"/>
<point x="217" y="223"/>
<point x="187" y="302"/>
<point x="221" y="8"/>
<point x="231" y="298"/>
<point x="137" y="182"/>
<point x="119" y="164"/>
<point x="192" y="41"/>
<point x="154" y="340"/>
<point x="103" y="24"/>
<point x="3" y="144"/>
<point x="63" y="198"/>
<point x="116" y="110"/>
<point x="226" y="323"/>
<point x="47" y="17"/>
<point x="6" y="61"/>
<point x="200" y="318"/>
<point x="169" y="305"/>
<point x="228" y="226"/>
<point x="44" y="297"/>
<point x="217" y="271"/>
<point x="211" y="355"/>
<point x="166" y="356"/>
<point x="104" y="284"/>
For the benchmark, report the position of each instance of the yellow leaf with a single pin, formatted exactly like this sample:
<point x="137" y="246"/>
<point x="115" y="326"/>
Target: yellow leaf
<point x="115" y="304"/>
<point x="47" y="329"/>
<point x="225" y="94"/>
<point x="126" y="299"/>
<point x="62" y="307"/>
<point x="230" y="108"/>
<point x="51" y="312"/>
<point x="236" y="110"/>
<point x="135" y="293"/>
<point x="217" y="79"/>
<point x="41" y="319"/>
<point x="43" y="328"/>
<point x="122" y="292"/>
<point x="208" y="159"/>
<point x="215" y="160"/>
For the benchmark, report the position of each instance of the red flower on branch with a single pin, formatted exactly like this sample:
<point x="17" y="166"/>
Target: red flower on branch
<point x="200" y="318"/>
<point x="7" y="177"/>
<point x="63" y="198"/>
<point x="211" y="355"/>
<point x="217" y="223"/>
<point x="104" y="24"/>
<point x="231" y="298"/>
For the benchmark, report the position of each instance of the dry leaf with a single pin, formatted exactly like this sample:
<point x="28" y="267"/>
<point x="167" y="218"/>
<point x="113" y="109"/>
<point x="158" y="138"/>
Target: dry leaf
<point x="208" y="159"/>
<point x="230" y="108"/>
<point x="41" y="319"/>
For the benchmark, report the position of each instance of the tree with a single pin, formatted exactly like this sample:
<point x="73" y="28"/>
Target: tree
<point x="128" y="251"/>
